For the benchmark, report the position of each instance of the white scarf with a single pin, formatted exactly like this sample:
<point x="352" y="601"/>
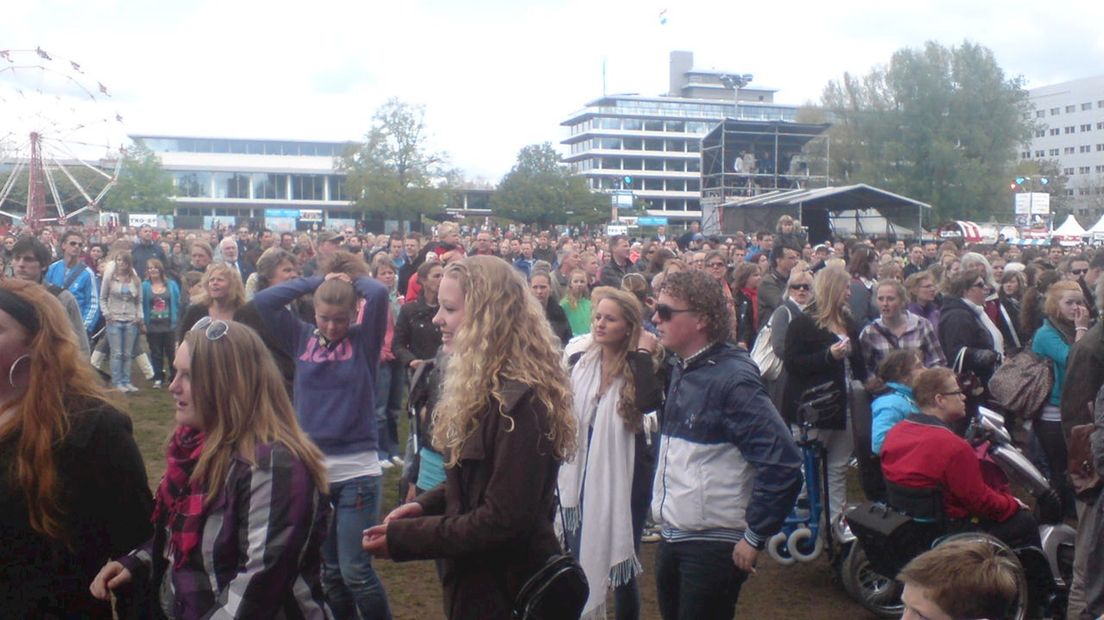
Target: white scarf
<point x="990" y="326"/>
<point x="599" y="480"/>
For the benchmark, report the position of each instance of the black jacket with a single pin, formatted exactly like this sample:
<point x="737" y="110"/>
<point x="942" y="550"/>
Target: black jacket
<point x="106" y="501"/>
<point x="557" y="318"/>
<point x="960" y="326"/>
<point x="416" y="337"/>
<point x="746" y="329"/>
<point x="809" y="363"/>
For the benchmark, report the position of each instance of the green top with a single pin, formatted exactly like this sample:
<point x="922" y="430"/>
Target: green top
<point x="578" y="317"/>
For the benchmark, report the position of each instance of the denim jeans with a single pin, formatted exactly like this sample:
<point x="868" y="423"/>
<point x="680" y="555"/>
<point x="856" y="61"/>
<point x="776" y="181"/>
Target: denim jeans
<point x="697" y="580"/>
<point x="121" y="338"/>
<point x="382" y="400"/>
<point x="350" y="583"/>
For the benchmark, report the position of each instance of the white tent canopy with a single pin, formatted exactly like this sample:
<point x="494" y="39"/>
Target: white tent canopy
<point x="1069" y="228"/>
<point x="1097" y="231"/>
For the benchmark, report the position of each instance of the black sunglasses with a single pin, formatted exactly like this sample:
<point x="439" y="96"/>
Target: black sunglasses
<point x="666" y="313"/>
<point x="799" y="287"/>
<point x="1079" y="272"/>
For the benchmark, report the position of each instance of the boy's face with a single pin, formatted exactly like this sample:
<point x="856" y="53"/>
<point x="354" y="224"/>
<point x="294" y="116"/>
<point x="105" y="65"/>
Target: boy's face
<point x="919" y="607"/>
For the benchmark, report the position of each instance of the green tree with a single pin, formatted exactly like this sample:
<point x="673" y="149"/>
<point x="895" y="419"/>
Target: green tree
<point x="540" y="189"/>
<point x="392" y="171"/>
<point x="143" y="185"/>
<point x="938" y="124"/>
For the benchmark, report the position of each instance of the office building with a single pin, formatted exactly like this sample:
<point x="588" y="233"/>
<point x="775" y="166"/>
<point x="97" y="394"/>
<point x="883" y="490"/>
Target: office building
<point x="651" y="144"/>
<point x="1070" y="129"/>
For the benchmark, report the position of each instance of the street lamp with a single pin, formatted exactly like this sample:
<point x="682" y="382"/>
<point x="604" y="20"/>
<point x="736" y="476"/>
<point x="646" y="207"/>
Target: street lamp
<point x="736" y="82"/>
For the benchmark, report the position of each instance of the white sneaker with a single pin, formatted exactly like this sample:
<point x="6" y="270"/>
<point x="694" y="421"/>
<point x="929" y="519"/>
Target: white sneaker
<point x="130" y="387"/>
<point x="385" y="464"/>
<point x="398" y="461"/>
<point x="156" y="384"/>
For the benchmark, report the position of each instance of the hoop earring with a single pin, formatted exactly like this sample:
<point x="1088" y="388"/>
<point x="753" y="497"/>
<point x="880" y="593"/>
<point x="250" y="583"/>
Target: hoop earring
<point x="11" y="369"/>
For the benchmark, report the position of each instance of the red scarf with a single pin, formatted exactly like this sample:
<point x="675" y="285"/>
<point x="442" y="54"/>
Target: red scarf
<point x="177" y="502"/>
<point x="752" y="295"/>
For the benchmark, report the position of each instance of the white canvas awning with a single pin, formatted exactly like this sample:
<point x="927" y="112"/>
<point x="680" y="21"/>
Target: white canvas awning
<point x="1069" y="228"/>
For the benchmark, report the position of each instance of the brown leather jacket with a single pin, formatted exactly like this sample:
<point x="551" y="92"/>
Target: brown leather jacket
<point x="492" y="519"/>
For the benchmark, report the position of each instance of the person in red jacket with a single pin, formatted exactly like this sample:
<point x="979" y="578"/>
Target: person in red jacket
<point x="922" y="451"/>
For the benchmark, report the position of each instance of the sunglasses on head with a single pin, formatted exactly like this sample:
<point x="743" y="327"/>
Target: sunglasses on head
<point x="213" y="329"/>
<point x="666" y="313"/>
<point x="800" y="287"/>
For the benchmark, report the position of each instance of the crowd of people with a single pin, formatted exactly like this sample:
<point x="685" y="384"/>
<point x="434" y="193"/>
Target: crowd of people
<point x="564" y="391"/>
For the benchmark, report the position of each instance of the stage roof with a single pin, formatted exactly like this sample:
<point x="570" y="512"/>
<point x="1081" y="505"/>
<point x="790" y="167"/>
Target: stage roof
<point x="859" y="196"/>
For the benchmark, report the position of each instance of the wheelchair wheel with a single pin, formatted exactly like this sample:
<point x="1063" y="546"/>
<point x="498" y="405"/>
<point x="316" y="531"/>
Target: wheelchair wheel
<point x="1002" y="550"/>
<point x="877" y="593"/>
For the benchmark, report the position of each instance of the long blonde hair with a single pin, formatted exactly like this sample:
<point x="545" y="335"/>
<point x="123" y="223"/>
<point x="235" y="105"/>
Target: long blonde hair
<point x="240" y="396"/>
<point x="235" y="296"/>
<point x="830" y="291"/>
<point x="504" y="337"/>
<point x="633" y="315"/>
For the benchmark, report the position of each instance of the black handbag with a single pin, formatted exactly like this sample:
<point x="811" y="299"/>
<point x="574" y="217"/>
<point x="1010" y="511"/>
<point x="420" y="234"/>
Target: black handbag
<point x="558" y="591"/>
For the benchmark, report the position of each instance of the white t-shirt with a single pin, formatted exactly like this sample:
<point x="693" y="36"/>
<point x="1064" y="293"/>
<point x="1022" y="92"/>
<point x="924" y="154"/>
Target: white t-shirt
<point x="342" y="467"/>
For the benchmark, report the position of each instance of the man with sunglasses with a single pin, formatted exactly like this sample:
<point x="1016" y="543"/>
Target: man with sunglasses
<point x="70" y="273"/>
<point x="1078" y="269"/>
<point x="729" y="471"/>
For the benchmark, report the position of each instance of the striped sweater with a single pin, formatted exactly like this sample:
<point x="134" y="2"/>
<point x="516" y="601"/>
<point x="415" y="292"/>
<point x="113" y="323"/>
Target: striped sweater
<point x="259" y="555"/>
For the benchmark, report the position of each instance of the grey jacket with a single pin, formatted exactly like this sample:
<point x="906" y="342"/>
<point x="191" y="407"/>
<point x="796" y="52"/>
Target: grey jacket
<point x="121" y="302"/>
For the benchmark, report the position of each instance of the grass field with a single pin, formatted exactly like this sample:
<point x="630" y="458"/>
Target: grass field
<point x="799" y="591"/>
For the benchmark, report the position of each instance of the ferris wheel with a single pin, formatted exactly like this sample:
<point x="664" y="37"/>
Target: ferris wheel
<point x="61" y="139"/>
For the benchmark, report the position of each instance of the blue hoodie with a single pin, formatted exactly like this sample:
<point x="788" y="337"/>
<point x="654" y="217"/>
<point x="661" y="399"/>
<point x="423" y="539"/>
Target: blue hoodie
<point x="334" y="386"/>
<point x="889" y="409"/>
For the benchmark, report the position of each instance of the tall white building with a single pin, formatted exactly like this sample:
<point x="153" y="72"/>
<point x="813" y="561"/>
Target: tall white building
<point x="653" y="142"/>
<point x="1070" y="116"/>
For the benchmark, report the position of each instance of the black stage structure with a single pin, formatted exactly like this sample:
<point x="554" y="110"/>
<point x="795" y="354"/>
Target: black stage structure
<point x="869" y="211"/>
<point x="743" y="159"/>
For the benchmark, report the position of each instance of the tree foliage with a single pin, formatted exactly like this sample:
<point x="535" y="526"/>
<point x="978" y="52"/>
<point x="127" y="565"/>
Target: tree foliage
<point x="941" y="125"/>
<point x="393" y="171"/>
<point x="540" y="189"/>
<point x="143" y="185"/>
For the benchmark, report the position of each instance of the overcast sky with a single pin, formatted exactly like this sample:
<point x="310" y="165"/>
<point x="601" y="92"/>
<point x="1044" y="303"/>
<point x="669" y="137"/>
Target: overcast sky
<point x="496" y="75"/>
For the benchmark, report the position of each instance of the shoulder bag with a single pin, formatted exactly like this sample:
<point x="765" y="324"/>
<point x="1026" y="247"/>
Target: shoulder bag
<point x="762" y="352"/>
<point x="559" y="590"/>
<point x="1082" y="472"/>
<point x="1023" y="383"/>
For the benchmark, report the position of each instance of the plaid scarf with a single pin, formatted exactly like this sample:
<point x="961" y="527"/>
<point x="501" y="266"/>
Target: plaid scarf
<point x="177" y="502"/>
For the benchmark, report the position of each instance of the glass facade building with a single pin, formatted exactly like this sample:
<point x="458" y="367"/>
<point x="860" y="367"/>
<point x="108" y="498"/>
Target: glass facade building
<point x="657" y="140"/>
<point x="236" y="180"/>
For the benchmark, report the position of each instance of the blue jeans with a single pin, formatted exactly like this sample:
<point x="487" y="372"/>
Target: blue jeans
<point x="120" y="339"/>
<point x="350" y="583"/>
<point x="382" y="401"/>
<point x="697" y="580"/>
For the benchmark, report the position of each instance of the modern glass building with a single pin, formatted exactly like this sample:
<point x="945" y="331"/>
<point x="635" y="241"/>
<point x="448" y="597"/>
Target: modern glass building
<point x="280" y="183"/>
<point x="653" y="143"/>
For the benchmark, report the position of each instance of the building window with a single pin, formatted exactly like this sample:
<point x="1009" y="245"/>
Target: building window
<point x="632" y="124"/>
<point x="1071" y="108"/>
<point x="1070" y="129"/>
<point x="1100" y="147"/>
<point x="1067" y="171"/>
<point x="1025" y="154"/>
<point x="231" y="185"/>
<point x="1086" y="127"/>
<point x="308" y="187"/>
<point x="193" y="184"/>
<point x="1027" y="116"/>
<point x="1100" y="104"/>
<point x="676" y="126"/>
<point x="1069" y="150"/>
<point x="1040" y="113"/>
<point x="1086" y="148"/>
<point x="1100" y="125"/>
<point x="1055" y="111"/>
<point x="270" y="186"/>
<point x="1069" y="192"/>
<point x="1053" y="152"/>
<point x="653" y="125"/>
<point x="1055" y="131"/>
<point x="1086" y="106"/>
<point x="1100" y="168"/>
<point x="653" y="185"/>
<point x="1083" y="169"/>
<point x="337" y="188"/>
<point x="1040" y="153"/>
<point x="1041" y="133"/>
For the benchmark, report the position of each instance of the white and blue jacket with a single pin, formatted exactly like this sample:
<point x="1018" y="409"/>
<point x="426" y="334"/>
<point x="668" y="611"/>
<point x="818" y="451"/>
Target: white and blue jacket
<point x="83" y="286"/>
<point x="728" y="468"/>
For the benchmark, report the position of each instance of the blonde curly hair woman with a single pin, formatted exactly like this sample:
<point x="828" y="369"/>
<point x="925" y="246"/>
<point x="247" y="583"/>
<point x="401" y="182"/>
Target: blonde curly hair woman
<point x="504" y="423"/>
